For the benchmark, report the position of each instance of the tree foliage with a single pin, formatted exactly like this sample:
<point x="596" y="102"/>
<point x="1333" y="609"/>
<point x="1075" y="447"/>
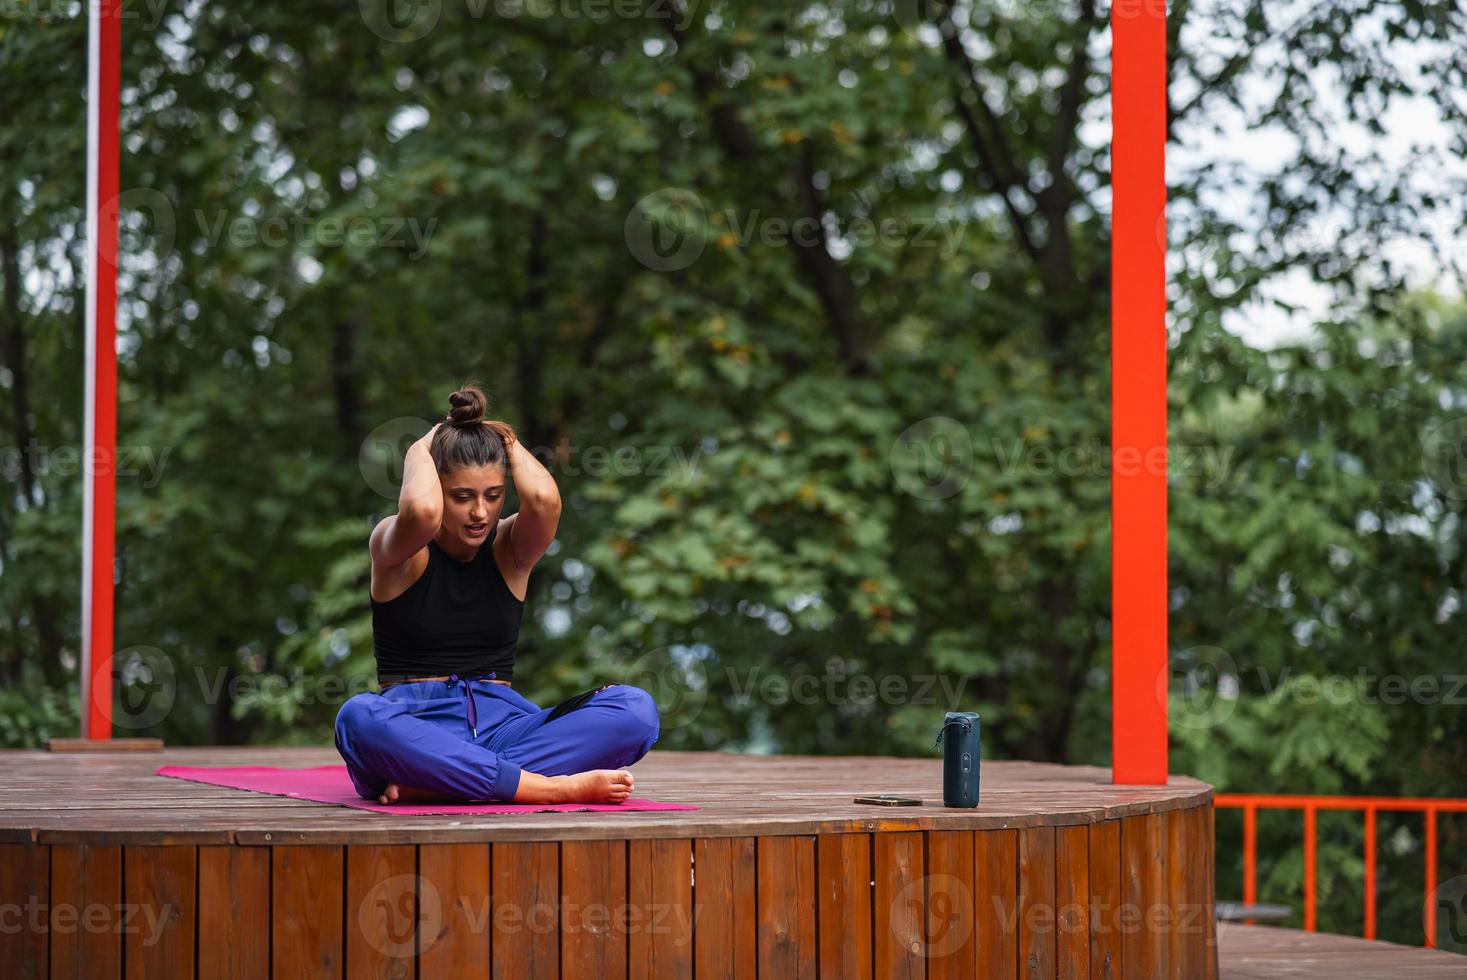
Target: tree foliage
<point x="807" y="308"/>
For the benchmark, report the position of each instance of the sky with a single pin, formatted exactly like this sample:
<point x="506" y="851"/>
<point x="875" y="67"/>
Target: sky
<point x="1225" y="136"/>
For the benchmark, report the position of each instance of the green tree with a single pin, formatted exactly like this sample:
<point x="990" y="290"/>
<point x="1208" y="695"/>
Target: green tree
<point x="807" y="307"/>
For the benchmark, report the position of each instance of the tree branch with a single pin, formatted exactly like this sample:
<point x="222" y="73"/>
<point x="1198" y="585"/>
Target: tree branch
<point x="1058" y="268"/>
<point x="829" y="279"/>
<point x="1072" y="95"/>
<point x="993" y="151"/>
<point x="832" y="283"/>
<point x="1225" y="74"/>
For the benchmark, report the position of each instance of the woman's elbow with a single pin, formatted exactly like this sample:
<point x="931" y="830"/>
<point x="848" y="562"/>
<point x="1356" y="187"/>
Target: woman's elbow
<point x="543" y="503"/>
<point x="427" y="515"/>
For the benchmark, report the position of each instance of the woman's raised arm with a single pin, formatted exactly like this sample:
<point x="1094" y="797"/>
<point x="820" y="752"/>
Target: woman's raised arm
<point x="419" y="508"/>
<point x="533" y="527"/>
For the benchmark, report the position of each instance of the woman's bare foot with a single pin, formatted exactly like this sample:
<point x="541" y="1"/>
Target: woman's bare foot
<point x="407" y="794"/>
<point x="596" y="786"/>
<point x="592" y="786"/>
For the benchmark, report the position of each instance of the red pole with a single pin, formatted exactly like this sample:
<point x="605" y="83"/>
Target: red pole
<point x="104" y="96"/>
<point x="1431" y="879"/>
<point x="1370" y="872"/>
<point x="1138" y="393"/>
<point x="1311" y="911"/>
<point x="1250" y="856"/>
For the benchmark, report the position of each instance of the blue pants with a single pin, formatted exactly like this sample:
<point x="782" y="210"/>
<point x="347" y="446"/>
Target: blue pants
<point x="469" y="739"/>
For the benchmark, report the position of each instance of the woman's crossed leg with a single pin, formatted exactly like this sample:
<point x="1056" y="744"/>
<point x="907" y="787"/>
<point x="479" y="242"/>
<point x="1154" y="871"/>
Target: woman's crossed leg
<point x="407" y="750"/>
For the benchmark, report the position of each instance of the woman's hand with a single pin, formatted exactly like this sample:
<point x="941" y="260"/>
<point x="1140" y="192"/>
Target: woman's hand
<point x="427" y="440"/>
<point x="506" y="434"/>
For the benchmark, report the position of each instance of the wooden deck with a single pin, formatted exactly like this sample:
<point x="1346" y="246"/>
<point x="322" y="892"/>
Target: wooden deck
<point x="114" y="798"/>
<point x="1265" y="953"/>
<point x="1057" y="873"/>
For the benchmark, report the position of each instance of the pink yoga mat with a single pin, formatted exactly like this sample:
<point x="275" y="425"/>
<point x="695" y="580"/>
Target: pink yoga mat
<point x="331" y="784"/>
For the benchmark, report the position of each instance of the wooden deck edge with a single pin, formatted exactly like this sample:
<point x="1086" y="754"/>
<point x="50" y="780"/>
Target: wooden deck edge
<point x="372" y="828"/>
<point x="747" y="828"/>
<point x="104" y="744"/>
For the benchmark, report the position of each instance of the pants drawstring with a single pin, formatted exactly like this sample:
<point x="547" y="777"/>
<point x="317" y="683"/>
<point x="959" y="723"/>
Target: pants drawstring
<point x="473" y="712"/>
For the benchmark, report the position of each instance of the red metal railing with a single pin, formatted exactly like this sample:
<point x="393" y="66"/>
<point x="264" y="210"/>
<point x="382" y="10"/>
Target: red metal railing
<point x="1369" y="806"/>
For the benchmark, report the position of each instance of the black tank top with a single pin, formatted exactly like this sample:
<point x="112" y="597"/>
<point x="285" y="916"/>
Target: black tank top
<point x="459" y="617"/>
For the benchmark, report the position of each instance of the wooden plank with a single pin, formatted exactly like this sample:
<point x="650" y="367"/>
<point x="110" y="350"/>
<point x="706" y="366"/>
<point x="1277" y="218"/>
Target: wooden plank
<point x="787" y="903"/>
<point x="1143" y="861"/>
<point x="844" y="916"/>
<point x="25" y="896"/>
<point x="1177" y="920"/>
<point x="950" y="942"/>
<point x="526" y="892"/>
<point x="1072" y="902"/>
<point x="1133" y="900"/>
<point x="996" y="902"/>
<point x="1106" y="897"/>
<point x="1132" y="916"/>
<point x="901" y="905"/>
<point x="1189" y="956"/>
<point x="159" y="886"/>
<point x="104" y="744"/>
<point x="1200" y="907"/>
<point x="305" y="912"/>
<point x="726" y="938"/>
<point x="1158" y="914"/>
<point x="593" y="876"/>
<point x="1210" y="950"/>
<point x="85" y="925"/>
<point x="384" y="913"/>
<point x="660" y="900"/>
<point x="234" y="913"/>
<point x="1037" y="945"/>
<point x="453" y="911"/>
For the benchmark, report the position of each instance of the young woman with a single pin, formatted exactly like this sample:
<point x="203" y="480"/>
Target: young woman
<point x="449" y="578"/>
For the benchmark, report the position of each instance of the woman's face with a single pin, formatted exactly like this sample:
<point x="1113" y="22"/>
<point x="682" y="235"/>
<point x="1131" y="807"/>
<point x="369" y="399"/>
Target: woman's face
<point x="472" y="499"/>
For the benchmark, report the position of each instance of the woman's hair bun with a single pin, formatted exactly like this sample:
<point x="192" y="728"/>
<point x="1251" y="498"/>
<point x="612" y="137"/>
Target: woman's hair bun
<point x="469" y="405"/>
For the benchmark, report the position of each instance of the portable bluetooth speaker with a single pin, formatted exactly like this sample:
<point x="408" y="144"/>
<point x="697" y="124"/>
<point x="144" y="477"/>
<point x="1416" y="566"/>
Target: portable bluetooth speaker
<point x="959" y="741"/>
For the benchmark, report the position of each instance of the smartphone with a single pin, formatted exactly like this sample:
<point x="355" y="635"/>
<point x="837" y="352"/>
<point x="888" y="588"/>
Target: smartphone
<point x="884" y="799"/>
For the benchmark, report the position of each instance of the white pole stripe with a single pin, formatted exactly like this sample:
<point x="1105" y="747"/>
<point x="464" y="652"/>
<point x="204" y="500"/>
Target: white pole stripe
<point x="89" y="503"/>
